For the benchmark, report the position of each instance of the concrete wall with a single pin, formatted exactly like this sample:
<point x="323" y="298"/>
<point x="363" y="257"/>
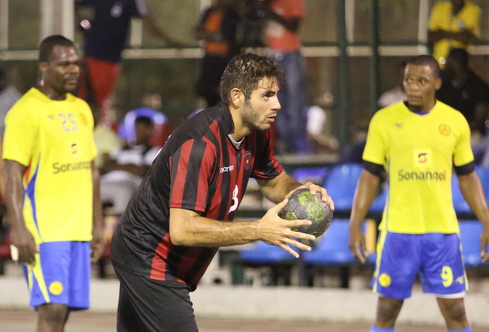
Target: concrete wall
<point x="282" y="303"/>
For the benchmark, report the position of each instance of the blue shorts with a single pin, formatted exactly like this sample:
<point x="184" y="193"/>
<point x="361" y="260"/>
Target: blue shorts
<point x="436" y="257"/>
<point x="61" y="275"/>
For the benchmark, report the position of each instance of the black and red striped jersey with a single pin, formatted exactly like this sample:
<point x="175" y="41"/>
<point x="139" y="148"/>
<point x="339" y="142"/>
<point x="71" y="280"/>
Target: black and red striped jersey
<point x="198" y="169"/>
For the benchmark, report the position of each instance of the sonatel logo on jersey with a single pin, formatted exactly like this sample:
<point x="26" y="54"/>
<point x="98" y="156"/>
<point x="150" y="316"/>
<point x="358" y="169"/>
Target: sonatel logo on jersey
<point x="71" y="167"/>
<point x="421" y="175"/>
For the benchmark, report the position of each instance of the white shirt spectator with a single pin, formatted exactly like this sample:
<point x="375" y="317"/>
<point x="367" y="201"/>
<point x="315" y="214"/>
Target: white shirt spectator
<point x="391" y="96"/>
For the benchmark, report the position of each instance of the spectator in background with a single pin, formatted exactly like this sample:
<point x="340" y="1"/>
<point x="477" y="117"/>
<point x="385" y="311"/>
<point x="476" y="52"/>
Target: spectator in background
<point x="52" y="187"/>
<point x="462" y="89"/>
<point x="453" y="24"/>
<point x="217" y="30"/>
<point x="124" y="170"/>
<point x="395" y="94"/>
<point x="8" y="97"/>
<point x="161" y="127"/>
<point x="105" y="34"/>
<point x="316" y="121"/>
<point x="106" y="139"/>
<point x="282" y="32"/>
<point x="200" y="105"/>
<point x="352" y="153"/>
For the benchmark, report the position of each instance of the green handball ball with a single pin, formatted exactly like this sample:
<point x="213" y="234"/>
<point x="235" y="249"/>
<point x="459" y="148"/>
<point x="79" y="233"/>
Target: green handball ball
<point x="304" y="205"/>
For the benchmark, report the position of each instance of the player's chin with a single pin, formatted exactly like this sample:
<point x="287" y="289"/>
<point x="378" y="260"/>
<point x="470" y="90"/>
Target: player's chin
<point x="415" y="101"/>
<point x="263" y="126"/>
<point x="70" y="87"/>
<point x="267" y="123"/>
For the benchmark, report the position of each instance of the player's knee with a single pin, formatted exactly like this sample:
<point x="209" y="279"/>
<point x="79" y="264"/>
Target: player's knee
<point x="388" y="309"/>
<point x="53" y="314"/>
<point x="455" y="310"/>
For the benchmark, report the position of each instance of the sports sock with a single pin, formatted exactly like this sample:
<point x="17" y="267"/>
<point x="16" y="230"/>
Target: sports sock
<point x="379" y="329"/>
<point x="467" y="329"/>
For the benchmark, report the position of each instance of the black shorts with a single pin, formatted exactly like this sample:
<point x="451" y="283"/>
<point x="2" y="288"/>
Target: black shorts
<point x="147" y="305"/>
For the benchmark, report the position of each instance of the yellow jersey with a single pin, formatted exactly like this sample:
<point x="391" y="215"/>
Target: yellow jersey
<point x="441" y="18"/>
<point x="419" y="152"/>
<point x="54" y="140"/>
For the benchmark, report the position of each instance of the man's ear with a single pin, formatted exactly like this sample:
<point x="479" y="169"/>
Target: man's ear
<point x="237" y="97"/>
<point x="438" y="83"/>
<point x="43" y="66"/>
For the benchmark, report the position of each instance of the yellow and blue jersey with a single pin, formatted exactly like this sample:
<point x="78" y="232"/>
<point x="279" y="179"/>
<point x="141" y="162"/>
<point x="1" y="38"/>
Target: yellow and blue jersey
<point x="419" y="152"/>
<point x="54" y="140"/>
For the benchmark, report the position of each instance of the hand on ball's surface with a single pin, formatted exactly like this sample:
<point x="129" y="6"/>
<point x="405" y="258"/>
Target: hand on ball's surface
<point x="304" y="205"/>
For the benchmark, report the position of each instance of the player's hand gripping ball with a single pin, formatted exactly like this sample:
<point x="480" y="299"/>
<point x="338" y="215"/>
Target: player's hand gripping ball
<point x="304" y="205"/>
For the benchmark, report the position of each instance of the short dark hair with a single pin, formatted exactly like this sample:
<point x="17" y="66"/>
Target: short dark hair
<point x="459" y="55"/>
<point x="48" y="43"/>
<point x="145" y="120"/>
<point x="426" y="60"/>
<point x="245" y="71"/>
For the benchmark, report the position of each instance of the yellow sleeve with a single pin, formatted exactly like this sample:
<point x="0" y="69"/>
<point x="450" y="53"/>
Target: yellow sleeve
<point x="20" y="133"/>
<point x="472" y="19"/>
<point x="375" y="147"/>
<point x="463" y="150"/>
<point x="436" y="17"/>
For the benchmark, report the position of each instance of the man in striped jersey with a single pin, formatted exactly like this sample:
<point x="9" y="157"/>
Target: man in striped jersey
<point x="182" y="211"/>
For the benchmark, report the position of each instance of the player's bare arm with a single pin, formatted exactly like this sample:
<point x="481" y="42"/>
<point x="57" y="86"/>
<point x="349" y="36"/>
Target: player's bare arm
<point x="481" y="111"/>
<point x="364" y="196"/>
<point x="471" y="189"/>
<point x="282" y="186"/>
<point x="150" y="24"/>
<point x="20" y="236"/>
<point x="98" y="241"/>
<point x="464" y="36"/>
<point x="190" y="229"/>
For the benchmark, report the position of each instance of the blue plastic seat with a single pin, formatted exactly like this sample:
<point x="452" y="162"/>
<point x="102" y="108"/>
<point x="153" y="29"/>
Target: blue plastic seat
<point x="315" y="175"/>
<point x="264" y="254"/>
<point x="341" y="184"/>
<point x="470" y="231"/>
<point x="379" y="202"/>
<point x="333" y="248"/>
<point x="459" y="204"/>
<point x="332" y="251"/>
<point x="278" y="261"/>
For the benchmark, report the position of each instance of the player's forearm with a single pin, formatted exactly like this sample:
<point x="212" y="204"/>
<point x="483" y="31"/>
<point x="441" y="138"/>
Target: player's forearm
<point x="193" y="230"/>
<point x="364" y="196"/>
<point x="276" y="189"/>
<point x="436" y="36"/>
<point x="465" y="36"/>
<point x="97" y="201"/>
<point x="14" y="193"/>
<point x="291" y="24"/>
<point x="472" y="192"/>
<point x="328" y="142"/>
<point x="150" y="24"/>
<point x="481" y="112"/>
